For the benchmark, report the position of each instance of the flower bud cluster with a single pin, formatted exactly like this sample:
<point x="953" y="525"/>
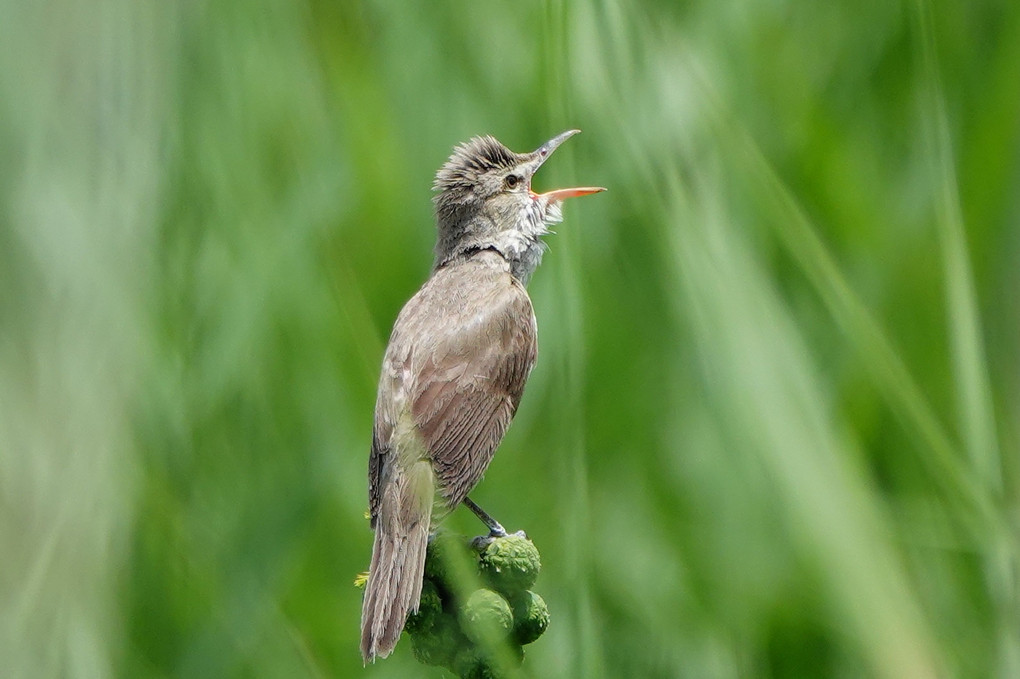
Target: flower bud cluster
<point x="477" y="610"/>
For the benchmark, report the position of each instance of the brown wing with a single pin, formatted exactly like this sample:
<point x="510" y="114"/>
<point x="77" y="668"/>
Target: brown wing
<point x="469" y="389"/>
<point x="460" y="354"/>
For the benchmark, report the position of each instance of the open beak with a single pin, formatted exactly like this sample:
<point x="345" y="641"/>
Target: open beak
<point x="560" y="194"/>
<point x="542" y="153"/>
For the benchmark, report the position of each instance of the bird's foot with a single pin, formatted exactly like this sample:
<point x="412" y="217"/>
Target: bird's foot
<point x="483" y="541"/>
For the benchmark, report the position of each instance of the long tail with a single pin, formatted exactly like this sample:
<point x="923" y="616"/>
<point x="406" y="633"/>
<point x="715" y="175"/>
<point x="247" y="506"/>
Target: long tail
<point x="398" y="558"/>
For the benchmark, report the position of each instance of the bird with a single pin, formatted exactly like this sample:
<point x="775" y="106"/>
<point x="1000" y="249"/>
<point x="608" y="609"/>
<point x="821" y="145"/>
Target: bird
<point x="454" y="370"/>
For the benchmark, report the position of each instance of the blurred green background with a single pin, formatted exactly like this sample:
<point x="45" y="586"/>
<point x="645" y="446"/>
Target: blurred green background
<point x="773" y="427"/>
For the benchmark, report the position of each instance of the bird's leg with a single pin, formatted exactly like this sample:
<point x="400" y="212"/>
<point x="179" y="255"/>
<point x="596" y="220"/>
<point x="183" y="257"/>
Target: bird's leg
<point x="495" y="529"/>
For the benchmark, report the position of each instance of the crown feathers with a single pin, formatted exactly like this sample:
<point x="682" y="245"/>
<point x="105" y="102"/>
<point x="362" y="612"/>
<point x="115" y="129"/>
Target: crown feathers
<point x="472" y="159"/>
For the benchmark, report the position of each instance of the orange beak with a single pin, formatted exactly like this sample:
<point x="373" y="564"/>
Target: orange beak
<point x="561" y="194"/>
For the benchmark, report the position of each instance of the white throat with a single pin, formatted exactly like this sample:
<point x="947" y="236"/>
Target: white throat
<point x="523" y="247"/>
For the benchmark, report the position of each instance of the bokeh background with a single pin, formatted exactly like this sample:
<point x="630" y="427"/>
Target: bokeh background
<point x="773" y="427"/>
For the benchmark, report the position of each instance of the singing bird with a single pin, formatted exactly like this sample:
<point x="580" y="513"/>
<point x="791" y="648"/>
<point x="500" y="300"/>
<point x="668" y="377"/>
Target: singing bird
<point x="454" y="371"/>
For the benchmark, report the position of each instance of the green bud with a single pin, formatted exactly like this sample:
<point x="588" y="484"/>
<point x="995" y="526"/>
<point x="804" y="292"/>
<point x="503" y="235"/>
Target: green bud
<point x="430" y="606"/>
<point x="510" y="564"/>
<point x="486" y="618"/>
<point x="438" y="644"/>
<point x="531" y="617"/>
<point x="450" y="563"/>
<point x="470" y="664"/>
<point x="473" y="662"/>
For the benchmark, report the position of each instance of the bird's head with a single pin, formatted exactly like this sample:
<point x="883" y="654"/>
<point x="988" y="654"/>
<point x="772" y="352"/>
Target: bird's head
<point x="485" y="201"/>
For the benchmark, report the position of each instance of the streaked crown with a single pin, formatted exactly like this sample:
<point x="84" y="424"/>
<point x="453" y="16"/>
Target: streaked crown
<point x="465" y="177"/>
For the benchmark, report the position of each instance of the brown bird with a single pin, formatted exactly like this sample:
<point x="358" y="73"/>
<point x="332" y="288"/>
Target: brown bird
<point x="455" y="368"/>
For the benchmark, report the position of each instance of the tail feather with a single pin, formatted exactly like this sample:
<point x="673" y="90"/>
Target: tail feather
<point x="398" y="559"/>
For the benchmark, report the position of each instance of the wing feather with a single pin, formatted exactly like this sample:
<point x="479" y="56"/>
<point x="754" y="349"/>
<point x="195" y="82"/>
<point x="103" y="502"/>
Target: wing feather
<point x="458" y="359"/>
<point x="469" y="389"/>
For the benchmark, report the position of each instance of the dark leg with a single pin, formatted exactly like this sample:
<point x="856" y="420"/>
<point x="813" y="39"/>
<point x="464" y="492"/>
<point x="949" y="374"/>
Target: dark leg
<point x="495" y="530"/>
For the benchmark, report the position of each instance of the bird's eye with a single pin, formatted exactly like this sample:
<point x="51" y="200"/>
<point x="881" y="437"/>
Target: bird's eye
<point x="512" y="181"/>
